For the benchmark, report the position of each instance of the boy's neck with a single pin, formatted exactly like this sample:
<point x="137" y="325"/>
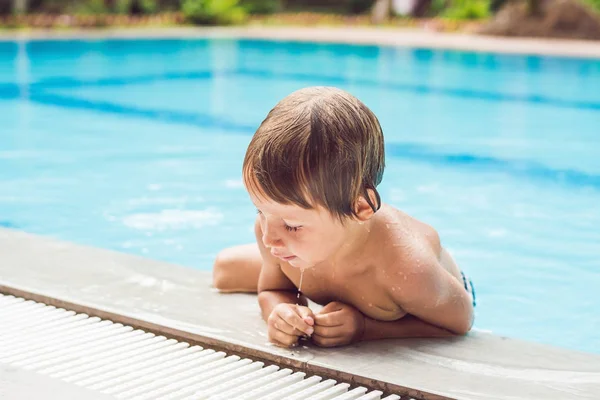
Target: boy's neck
<point x="358" y="237"/>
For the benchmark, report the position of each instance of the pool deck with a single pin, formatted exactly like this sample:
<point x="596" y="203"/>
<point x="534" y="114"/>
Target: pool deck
<point x="20" y="384"/>
<point x="353" y="35"/>
<point x="177" y="301"/>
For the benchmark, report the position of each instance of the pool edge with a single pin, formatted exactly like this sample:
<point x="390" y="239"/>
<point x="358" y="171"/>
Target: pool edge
<point x="177" y="301"/>
<point x="221" y="345"/>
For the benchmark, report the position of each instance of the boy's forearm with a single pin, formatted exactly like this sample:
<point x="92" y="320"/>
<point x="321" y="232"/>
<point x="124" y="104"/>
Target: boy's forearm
<point x="407" y="327"/>
<point x="269" y="299"/>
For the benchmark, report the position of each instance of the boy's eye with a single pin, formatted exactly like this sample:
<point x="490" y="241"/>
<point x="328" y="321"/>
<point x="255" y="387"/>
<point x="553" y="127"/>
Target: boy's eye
<point x="292" y="228"/>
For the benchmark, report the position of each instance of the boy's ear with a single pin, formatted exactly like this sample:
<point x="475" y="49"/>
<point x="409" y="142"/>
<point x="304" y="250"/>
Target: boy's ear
<point x="363" y="210"/>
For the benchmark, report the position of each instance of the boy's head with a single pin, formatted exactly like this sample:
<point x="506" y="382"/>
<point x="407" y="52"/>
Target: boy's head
<point x="319" y="149"/>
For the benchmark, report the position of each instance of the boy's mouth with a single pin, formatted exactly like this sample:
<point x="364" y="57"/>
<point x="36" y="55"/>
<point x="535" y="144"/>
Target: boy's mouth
<point x="284" y="258"/>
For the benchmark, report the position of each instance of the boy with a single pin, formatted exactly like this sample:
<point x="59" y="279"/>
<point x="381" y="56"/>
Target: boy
<point x="312" y="171"/>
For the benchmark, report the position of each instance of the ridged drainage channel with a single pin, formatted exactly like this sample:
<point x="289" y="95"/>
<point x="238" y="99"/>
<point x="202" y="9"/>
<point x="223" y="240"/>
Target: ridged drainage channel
<point x="129" y="363"/>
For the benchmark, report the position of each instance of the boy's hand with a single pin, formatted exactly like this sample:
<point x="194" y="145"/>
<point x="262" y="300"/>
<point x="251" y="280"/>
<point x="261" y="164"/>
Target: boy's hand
<point x="338" y="324"/>
<point x="288" y="322"/>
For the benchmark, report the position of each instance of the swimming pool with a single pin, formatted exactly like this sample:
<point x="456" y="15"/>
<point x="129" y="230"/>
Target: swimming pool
<point x="136" y="145"/>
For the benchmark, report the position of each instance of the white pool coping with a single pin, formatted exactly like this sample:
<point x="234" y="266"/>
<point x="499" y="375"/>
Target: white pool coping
<point x="179" y="302"/>
<point x="384" y="36"/>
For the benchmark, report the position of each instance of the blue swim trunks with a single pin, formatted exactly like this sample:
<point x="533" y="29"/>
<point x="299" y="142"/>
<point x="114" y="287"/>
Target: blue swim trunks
<point x="469" y="287"/>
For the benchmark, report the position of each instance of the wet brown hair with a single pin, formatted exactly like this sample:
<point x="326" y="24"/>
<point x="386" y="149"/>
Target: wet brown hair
<point x="318" y="146"/>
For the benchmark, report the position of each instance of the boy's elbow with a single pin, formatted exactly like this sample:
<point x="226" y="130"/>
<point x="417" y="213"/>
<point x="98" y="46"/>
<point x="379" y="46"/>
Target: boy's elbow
<point x="460" y="324"/>
<point x="464" y="326"/>
<point x="221" y="274"/>
<point x="458" y="330"/>
<point x="462" y="330"/>
<point x="268" y="300"/>
<point x="263" y="297"/>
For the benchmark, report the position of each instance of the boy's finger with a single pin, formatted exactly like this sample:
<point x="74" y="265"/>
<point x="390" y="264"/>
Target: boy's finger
<point x="295" y="320"/>
<point x="331" y="307"/>
<point x="283" y="339"/>
<point x="307" y="315"/>
<point x="304" y="326"/>
<point x="331" y="319"/>
<point x="283" y="326"/>
<point x="328" y="332"/>
<point x="327" y="341"/>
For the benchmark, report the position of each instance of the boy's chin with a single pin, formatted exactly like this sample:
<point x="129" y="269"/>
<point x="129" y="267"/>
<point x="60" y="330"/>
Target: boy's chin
<point x="298" y="263"/>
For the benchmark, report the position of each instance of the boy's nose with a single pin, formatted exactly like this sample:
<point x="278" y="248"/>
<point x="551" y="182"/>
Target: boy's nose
<point x="269" y="238"/>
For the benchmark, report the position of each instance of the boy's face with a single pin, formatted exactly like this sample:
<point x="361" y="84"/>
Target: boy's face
<point x="301" y="237"/>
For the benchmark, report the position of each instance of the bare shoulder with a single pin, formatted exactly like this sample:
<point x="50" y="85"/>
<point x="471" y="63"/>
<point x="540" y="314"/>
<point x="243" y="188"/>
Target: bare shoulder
<point x="406" y="238"/>
<point x="409" y="249"/>
<point x="412" y="255"/>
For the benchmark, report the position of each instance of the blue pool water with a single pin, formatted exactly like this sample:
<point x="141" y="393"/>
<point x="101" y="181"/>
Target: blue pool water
<point x="137" y="146"/>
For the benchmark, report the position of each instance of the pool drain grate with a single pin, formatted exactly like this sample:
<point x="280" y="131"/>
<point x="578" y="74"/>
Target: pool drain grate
<point x="129" y="363"/>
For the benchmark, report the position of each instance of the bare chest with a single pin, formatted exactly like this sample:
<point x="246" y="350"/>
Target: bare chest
<point x="364" y="291"/>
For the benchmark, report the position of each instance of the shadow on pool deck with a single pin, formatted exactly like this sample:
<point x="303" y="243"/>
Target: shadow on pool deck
<point x="177" y="301"/>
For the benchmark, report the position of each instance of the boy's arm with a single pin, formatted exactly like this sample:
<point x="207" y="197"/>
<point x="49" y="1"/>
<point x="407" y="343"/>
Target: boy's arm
<point x="436" y="302"/>
<point x="437" y="305"/>
<point x="339" y="324"/>
<point x="274" y="287"/>
<point x="432" y="295"/>
<point x="407" y="327"/>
